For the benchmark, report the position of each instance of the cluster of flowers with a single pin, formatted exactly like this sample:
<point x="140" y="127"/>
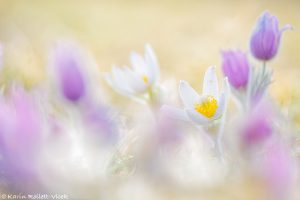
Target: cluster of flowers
<point x="42" y="141"/>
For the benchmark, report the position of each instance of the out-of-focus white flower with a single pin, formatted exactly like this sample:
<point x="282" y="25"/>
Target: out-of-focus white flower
<point x="201" y="109"/>
<point x="140" y="78"/>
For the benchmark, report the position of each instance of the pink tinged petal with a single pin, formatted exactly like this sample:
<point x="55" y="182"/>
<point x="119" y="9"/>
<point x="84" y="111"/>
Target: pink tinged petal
<point x="187" y="94"/>
<point x="197" y="117"/>
<point x="210" y="82"/>
<point x="174" y="113"/>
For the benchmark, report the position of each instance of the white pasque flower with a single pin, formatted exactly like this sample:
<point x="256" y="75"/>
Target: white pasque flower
<point x="138" y="79"/>
<point x="205" y="108"/>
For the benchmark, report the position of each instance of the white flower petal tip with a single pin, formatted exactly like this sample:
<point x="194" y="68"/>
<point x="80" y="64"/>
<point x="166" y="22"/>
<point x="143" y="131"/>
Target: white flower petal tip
<point x="221" y="105"/>
<point x="210" y="82"/>
<point x="174" y="113"/>
<point x="226" y="87"/>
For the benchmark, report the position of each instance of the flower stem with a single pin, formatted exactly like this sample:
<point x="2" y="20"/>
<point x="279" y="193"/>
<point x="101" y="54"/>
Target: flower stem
<point x="219" y="138"/>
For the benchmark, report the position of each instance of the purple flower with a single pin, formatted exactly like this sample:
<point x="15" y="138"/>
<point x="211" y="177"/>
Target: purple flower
<point x="68" y="68"/>
<point x="236" y="67"/>
<point x="266" y="37"/>
<point x="20" y="137"/>
<point x="99" y="119"/>
<point x="258" y="127"/>
<point x="278" y="170"/>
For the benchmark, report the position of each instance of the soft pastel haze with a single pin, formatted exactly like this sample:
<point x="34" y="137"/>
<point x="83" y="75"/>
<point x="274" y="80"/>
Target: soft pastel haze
<point x="68" y="128"/>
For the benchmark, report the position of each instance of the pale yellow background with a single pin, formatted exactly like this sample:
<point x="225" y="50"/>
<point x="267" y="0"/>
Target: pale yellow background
<point x="187" y="36"/>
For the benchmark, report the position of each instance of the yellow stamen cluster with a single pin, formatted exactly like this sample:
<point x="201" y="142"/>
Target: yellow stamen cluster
<point x="207" y="107"/>
<point x="145" y="79"/>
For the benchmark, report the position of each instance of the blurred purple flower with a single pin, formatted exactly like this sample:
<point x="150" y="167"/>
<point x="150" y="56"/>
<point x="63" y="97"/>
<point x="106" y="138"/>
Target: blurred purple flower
<point x="265" y="39"/>
<point x="68" y="68"/>
<point x="99" y="119"/>
<point x="168" y="130"/>
<point x="236" y="67"/>
<point x="277" y="170"/>
<point x="258" y="126"/>
<point x="20" y="137"/>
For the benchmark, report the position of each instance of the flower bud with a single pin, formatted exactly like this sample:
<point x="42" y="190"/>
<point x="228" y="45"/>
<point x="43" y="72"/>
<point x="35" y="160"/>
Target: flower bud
<point x="266" y="37"/>
<point x="236" y="67"/>
<point x="68" y="68"/>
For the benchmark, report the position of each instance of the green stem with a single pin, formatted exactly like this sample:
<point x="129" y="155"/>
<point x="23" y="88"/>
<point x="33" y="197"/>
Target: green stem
<point x="152" y="103"/>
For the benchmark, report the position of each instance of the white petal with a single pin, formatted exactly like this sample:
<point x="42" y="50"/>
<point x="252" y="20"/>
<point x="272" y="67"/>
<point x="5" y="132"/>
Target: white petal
<point x="120" y="80"/>
<point x="222" y="101"/>
<point x="174" y="113"/>
<point x="151" y="62"/>
<point x="187" y="94"/>
<point x="221" y="106"/>
<point x="134" y="80"/>
<point x="197" y="117"/>
<point x="116" y="87"/>
<point x="210" y="82"/>
<point x="226" y="87"/>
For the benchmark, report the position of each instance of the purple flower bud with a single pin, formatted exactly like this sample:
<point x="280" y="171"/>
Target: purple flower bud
<point x="68" y="68"/>
<point x="236" y="67"/>
<point x="266" y="37"/>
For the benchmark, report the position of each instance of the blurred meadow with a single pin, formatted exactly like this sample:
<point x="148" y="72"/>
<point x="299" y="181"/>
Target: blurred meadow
<point x="187" y="37"/>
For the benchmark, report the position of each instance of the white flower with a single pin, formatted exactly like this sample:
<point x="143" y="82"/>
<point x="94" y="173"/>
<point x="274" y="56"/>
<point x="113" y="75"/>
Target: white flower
<point x="201" y="109"/>
<point x="138" y="79"/>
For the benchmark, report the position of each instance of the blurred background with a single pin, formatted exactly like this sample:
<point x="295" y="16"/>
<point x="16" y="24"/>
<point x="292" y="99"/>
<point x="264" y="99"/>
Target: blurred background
<point x="187" y="36"/>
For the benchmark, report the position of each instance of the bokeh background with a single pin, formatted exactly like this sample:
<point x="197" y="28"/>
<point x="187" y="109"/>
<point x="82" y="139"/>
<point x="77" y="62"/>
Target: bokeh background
<point x="187" y="36"/>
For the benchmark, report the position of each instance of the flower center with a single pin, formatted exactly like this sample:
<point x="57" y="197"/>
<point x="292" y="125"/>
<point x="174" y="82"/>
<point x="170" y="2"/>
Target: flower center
<point x="145" y="79"/>
<point x="207" y="106"/>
